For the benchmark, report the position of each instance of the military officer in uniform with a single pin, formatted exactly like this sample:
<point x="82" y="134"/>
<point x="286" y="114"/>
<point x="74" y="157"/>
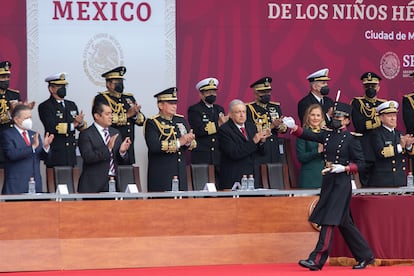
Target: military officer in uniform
<point x="167" y="136"/>
<point x="343" y="156"/>
<point x="61" y="118"/>
<point x="126" y="112"/>
<point x="205" y="117"/>
<point x="408" y="114"/>
<point x="266" y="115"/>
<point x="391" y="148"/>
<point x="8" y="99"/>
<point x="318" y="94"/>
<point x="365" y="119"/>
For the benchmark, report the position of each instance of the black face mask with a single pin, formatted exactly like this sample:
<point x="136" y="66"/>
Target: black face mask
<point x="370" y="92"/>
<point x="210" y="99"/>
<point x="61" y="92"/>
<point x="119" y="87"/>
<point x="336" y="124"/>
<point x="324" y="90"/>
<point x="4" y="84"/>
<point x="265" y="99"/>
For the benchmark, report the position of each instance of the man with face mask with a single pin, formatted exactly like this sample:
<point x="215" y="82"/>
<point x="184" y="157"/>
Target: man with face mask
<point x="126" y="112"/>
<point x="23" y="149"/>
<point x="8" y="98"/>
<point x="365" y="118"/>
<point x="205" y="118"/>
<point x="318" y="94"/>
<point x="61" y="118"/>
<point x="266" y="115"/>
<point x="408" y="114"/>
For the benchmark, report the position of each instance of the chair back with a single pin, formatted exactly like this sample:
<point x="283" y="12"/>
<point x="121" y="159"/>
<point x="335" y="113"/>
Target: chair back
<point x="199" y="175"/>
<point x="128" y="174"/>
<point x="64" y="175"/>
<point x="275" y="176"/>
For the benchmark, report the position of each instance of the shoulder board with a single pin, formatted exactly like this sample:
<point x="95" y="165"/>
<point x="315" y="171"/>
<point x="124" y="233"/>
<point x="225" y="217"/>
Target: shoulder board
<point x="358" y="98"/>
<point x="409" y="95"/>
<point x="13" y="90"/>
<point x="128" y="94"/>
<point x="154" y="117"/>
<point x="105" y="92"/>
<point x="356" y="134"/>
<point x="276" y="103"/>
<point x="179" y="115"/>
<point x="250" y="103"/>
<point x="382" y="100"/>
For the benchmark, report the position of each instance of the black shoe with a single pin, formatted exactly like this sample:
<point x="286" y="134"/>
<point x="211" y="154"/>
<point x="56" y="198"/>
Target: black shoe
<point x="363" y="264"/>
<point x="309" y="264"/>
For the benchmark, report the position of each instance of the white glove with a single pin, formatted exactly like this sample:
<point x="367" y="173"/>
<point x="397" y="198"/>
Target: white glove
<point x="289" y="122"/>
<point x="337" y="168"/>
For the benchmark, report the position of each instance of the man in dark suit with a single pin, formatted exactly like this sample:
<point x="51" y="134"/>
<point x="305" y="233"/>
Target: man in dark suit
<point x="365" y="119"/>
<point x="318" y="94"/>
<point x="102" y="150"/>
<point x="390" y="148"/>
<point x="205" y="118"/>
<point x="126" y="112"/>
<point x="61" y="118"/>
<point x="168" y="137"/>
<point x="240" y="143"/>
<point x="23" y="150"/>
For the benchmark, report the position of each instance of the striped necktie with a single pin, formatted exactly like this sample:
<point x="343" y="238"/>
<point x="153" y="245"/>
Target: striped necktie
<point x="111" y="162"/>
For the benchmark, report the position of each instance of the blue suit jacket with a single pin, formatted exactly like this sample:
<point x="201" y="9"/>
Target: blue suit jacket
<point x="21" y="162"/>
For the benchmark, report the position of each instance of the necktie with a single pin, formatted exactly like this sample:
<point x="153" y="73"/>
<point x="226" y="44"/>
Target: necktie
<point x="111" y="162"/>
<point x="62" y="104"/>
<point x="26" y="139"/>
<point x="321" y="101"/>
<point x="243" y="131"/>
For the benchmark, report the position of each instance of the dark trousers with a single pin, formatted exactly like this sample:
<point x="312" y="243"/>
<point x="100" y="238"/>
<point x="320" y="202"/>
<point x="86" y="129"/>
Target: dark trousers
<point x="353" y="238"/>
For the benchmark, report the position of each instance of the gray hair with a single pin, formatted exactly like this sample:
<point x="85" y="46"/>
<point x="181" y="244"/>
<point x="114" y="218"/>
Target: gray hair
<point x="233" y="103"/>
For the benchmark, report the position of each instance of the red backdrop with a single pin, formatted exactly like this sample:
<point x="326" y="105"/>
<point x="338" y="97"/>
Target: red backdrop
<point x="238" y="43"/>
<point x="13" y="42"/>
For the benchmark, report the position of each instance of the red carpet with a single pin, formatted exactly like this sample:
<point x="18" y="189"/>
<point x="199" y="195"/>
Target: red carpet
<point x="239" y="270"/>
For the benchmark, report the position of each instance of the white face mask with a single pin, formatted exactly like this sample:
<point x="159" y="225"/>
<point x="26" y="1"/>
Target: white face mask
<point x="27" y="123"/>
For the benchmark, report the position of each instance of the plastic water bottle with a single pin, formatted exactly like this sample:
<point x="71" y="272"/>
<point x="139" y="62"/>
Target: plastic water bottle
<point x="32" y="186"/>
<point x="250" y="183"/>
<point x="410" y="180"/>
<point x="111" y="185"/>
<point x="244" y="182"/>
<point x="175" y="184"/>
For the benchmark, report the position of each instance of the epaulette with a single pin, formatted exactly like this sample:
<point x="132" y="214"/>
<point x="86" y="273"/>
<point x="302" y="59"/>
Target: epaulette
<point x="356" y="134"/>
<point x="104" y="92"/>
<point x="155" y="116"/>
<point x="179" y="115"/>
<point x="128" y="94"/>
<point x="13" y="90"/>
<point x="358" y="98"/>
<point x="409" y="95"/>
<point x="382" y="100"/>
<point x="250" y="103"/>
<point x="276" y="103"/>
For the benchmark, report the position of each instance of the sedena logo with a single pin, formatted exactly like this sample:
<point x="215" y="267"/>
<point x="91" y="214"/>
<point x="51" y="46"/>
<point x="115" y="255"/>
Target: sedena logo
<point x="390" y="65"/>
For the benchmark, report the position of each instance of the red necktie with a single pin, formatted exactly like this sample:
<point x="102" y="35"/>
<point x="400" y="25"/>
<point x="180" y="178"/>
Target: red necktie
<point x="26" y="139"/>
<point x="243" y="131"/>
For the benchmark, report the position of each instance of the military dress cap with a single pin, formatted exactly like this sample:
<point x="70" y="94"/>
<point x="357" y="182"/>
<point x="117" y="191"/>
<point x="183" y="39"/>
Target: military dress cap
<point x="5" y="67"/>
<point x="387" y="107"/>
<point x="207" y="84"/>
<point x="169" y="94"/>
<point x="370" y="77"/>
<point x="262" y="84"/>
<point x="116" y="73"/>
<point x="59" y="78"/>
<point x="342" y="109"/>
<point x="320" y="75"/>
